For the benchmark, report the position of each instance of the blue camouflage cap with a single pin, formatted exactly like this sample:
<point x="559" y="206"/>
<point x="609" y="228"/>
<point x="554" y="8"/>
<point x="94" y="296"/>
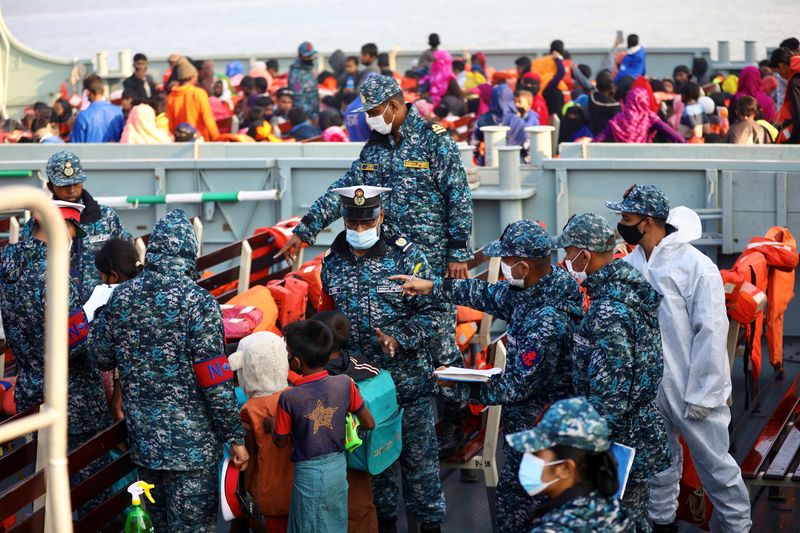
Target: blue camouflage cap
<point x="64" y="168"/>
<point x="588" y="231"/>
<point x="523" y="238"/>
<point x="572" y="422"/>
<point x="647" y="200"/>
<point x="375" y="90"/>
<point x="306" y="50"/>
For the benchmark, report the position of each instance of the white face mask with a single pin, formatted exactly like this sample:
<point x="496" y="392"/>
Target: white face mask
<point x="363" y="240"/>
<point x="530" y="474"/>
<point x="377" y="124"/>
<point x="581" y="276"/>
<point x="506" y="270"/>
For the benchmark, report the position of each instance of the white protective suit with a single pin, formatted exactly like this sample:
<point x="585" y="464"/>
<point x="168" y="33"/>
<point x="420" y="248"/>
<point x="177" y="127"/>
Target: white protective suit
<point x="694" y="327"/>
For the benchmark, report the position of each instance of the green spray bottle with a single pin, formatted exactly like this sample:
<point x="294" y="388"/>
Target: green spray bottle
<point x="138" y="520"/>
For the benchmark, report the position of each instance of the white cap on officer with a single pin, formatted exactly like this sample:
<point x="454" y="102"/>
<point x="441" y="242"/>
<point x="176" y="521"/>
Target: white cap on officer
<point x="361" y="202"/>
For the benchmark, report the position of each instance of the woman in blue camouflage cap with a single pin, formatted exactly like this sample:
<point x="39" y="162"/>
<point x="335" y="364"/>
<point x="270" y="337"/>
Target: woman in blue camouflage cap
<point x="567" y="459"/>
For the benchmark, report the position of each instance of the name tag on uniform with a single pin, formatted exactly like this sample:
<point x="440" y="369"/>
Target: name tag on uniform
<point x="369" y="167"/>
<point x="94" y="239"/>
<point x="333" y="291"/>
<point x="416" y="164"/>
<point x="581" y="341"/>
<point x="389" y="289"/>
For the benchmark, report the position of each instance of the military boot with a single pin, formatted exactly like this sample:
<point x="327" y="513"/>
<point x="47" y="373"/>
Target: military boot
<point x="672" y="527"/>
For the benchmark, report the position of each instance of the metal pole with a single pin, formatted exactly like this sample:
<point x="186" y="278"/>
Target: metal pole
<point x="102" y="63"/>
<point x="493" y="137"/>
<point x="749" y="52"/>
<point x="723" y="52"/>
<point x="125" y="64"/>
<point x="509" y="181"/>
<point x="541" y="142"/>
<point x="53" y="413"/>
<point x="466" y="151"/>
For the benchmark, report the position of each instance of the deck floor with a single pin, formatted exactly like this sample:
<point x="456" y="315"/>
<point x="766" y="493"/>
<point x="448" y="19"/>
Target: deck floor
<point x="468" y="508"/>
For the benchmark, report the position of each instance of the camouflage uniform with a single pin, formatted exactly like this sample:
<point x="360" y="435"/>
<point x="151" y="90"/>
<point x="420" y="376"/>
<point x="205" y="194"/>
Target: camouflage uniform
<point x="618" y="358"/>
<point x="164" y="335"/>
<point x="360" y="289"/>
<point x="100" y="223"/>
<point x="303" y="82"/>
<point x="22" y="279"/>
<point x="575" y="423"/>
<point x="430" y="203"/>
<point x="541" y="321"/>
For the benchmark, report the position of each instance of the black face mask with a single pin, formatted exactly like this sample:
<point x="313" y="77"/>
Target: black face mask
<point x="521" y="111"/>
<point x="630" y="234"/>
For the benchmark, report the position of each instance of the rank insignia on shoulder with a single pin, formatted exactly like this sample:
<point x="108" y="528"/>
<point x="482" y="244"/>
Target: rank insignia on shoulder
<point x="416" y="164"/>
<point x="369" y="167"/>
<point x="403" y="244"/>
<point x="438" y="129"/>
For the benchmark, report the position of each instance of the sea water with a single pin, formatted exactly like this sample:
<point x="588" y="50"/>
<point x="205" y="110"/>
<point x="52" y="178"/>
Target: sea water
<point x="80" y="28"/>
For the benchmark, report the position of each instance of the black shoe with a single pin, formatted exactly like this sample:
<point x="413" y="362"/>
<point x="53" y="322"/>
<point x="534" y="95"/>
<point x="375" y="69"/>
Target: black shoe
<point x="430" y="529"/>
<point x="665" y="528"/>
<point x="451" y="433"/>
<point x="387" y="524"/>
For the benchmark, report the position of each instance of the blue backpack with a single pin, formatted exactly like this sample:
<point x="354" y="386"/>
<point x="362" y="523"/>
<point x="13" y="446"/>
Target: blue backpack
<point x="381" y="446"/>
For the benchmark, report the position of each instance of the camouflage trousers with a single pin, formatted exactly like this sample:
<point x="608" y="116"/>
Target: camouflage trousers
<point x="514" y="508"/>
<point x="419" y="468"/>
<point x="186" y="501"/>
<point x="635" y="501"/>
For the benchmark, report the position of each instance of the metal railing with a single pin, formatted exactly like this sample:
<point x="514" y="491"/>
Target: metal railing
<point x="51" y="420"/>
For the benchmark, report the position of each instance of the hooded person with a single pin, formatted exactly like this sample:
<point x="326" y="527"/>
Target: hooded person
<point x="693" y="393"/>
<point x="441" y="76"/>
<point x="502" y="112"/>
<point x="141" y="127"/>
<point x="617" y="358"/>
<point x="542" y="306"/>
<point x="637" y="122"/>
<point x="164" y="334"/>
<point x="261" y="364"/>
<point x="750" y="85"/>
<point x="634" y="61"/>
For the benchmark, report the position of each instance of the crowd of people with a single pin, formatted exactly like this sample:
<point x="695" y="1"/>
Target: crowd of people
<point x="195" y="100"/>
<point x="624" y="343"/>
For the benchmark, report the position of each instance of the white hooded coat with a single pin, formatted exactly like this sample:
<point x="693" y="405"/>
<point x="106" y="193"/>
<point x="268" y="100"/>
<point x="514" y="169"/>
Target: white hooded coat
<point x="692" y="316"/>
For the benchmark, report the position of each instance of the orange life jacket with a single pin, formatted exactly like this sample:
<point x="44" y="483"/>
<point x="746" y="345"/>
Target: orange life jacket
<point x="261" y="298"/>
<point x="753" y="268"/>
<point x="743" y="300"/>
<point x="291" y="295"/>
<point x="779" y="249"/>
<point x="311" y="273"/>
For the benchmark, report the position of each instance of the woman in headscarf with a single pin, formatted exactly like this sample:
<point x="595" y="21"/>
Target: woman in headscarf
<point x="750" y="85"/>
<point x="441" y="81"/>
<point x="141" y="127"/>
<point x="637" y="123"/>
<point x="502" y="112"/>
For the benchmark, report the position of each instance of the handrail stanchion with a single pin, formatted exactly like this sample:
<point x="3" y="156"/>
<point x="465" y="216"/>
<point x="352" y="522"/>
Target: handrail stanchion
<point x="541" y="142"/>
<point x="51" y="420"/>
<point x="493" y="138"/>
<point x="13" y="230"/>
<point x="245" y="263"/>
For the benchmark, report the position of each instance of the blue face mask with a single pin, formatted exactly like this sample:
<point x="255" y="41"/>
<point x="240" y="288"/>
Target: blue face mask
<point x="363" y="240"/>
<point x="530" y="474"/>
